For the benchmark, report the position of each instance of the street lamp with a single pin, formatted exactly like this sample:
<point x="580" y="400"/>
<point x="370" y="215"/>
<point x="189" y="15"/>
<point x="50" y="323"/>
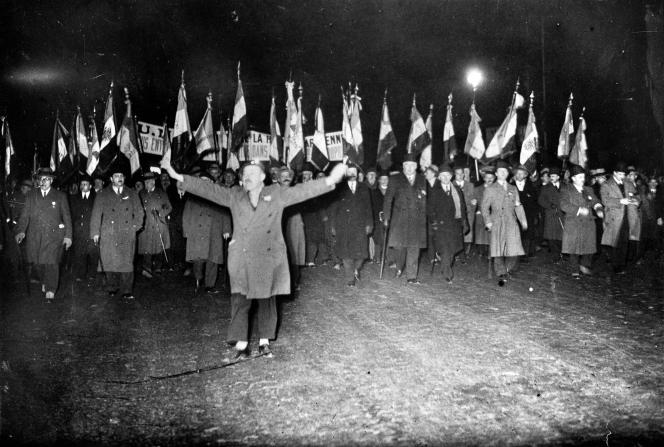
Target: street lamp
<point x="474" y="78"/>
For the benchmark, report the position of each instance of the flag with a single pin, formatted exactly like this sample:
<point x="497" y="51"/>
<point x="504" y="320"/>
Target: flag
<point x="276" y="141"/>
<point x="579" y="153"/>
<point x="109" y="122"/>
<point x="425" y="157"/>
<point x="530" y="141"/>
<point x="474" y="142"/>
<point x="239" y="129"/>
<point x="346" y="129"/>
<point x="319" y="156"/>
<point x="93" y="159"/>
<point x="81" y="135"/>
<point x="58" y="145"/>
<point x="386" y="139"/>
<point x="222" y="142"/>
<point x="9" y="146"/>
<point x="357" y="155"/>
<point x="128" y="138"/>
<point x="166" y="145"/>
<point x="503" y="143"/>
<point x="204" y="135"/>
<point x="564" y="140"/>
<point x="418" y="137"/>
<point x="296" y="153"/>
<point x="449" y="140"/>
<point x="291" y="122"/>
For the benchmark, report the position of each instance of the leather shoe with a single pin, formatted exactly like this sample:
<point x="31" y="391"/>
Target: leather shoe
<point x="265" y="350"/>
<point x="351" y="283"/>
<point x="146" y="273"/>
<point x="211" y="290"/>
<point x="585" y="270"/>
<point x="398" y="274"/>
<point x="413" y="281"/>
<point x="128" y="296"/>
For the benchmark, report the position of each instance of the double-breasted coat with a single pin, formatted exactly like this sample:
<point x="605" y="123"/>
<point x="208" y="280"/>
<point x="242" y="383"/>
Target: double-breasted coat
<point x="157" y="208"/>
<point x="404" y="208"/>
<point x="442" y="220"/>
<point x="350" y="216"/>
<point x="46" y="222"/>
<point x="501" y="207"/>
<point x="615" y="212"/>
<point x="204" y="224"/>
<point x="549" y="200"/>
<point x="257" y="258"/>
<point x="115" y="219"/>
<point x="81" y="212"/>
<point x="579" y="237"/>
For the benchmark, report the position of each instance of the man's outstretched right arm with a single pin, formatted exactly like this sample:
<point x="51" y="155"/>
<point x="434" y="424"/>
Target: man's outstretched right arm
<point x="201" y="188"/>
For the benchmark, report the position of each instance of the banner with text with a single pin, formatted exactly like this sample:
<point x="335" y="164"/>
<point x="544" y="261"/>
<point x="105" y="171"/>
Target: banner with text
<point x="152" y="138"/>
<point x="333" y="140"/>
<point x="258" y="146"/>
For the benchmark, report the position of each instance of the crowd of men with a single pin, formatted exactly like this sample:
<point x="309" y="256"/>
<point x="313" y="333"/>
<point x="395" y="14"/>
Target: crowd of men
<point x="407" y="220"/>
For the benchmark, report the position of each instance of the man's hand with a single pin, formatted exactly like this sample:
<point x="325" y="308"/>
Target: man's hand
<point x="386" y="223"/>
<point x="226" y="235"/>
<point x="333" y="231"/>
<point x="368" y="229"/>
<point x="600" y="214"/>
<point x="524" y="226"/>
<point x="19" y="238"/>
<point x="338" y="172"/>
<point x="166" y="164"/>
<point x="67" y="243"/>
<point x="95" y="239"/>
<point x="660" y="221"/>
<point x="624" y="201"/>
<point x="583" y="211"/>
<point x="473" y="202"/>
<point x="488" y="226"/>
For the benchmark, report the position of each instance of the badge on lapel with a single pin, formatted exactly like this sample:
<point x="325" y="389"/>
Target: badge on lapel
<point x="53" y="204"/>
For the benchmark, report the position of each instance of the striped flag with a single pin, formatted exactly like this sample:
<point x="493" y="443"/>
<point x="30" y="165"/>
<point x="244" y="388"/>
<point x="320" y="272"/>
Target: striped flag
<point x="418" y="137"/>
<point x="474" y="142"/>
<point x="346" y="130"/>
<point x="357" y="155"/>
<point x="9" y="146"/>
<point x="181" y="125"/>
<point x="276" y="140"/>
<point x="204" y="135"/>
<point x="128" y="138"/>
<point x="579" y="153"/>
<point x="530" y="141"/>
<point x="109" y="122"/>
<point x="386" y="139"/>
<point x="565" y="138"/>
<point x="319" y="155"/>
<point x="58" y="145"/>
<point x="222" y="142"/>
<point x="503" y="143"/>
<point x="296" y="154"/>
<point x="81" y="135"/>
<point x="240" y="125"/>
<point x="291" y="121"/>
<point x="93" y="159"/>
<point x="425" y="158"/>
<point x="449" y="140"/>
<point x="166" y="145"/>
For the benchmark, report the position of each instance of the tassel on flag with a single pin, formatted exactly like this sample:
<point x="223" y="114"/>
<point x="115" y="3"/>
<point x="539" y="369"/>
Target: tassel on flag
<point x="109" y="121"/>
<point x="530" y="141"/>
<point x="418" y="138"/>
<point x="579" y="153"/>
<point x="426" y="157"/>
<point x="357" y="156"/>
<point x="474" y="142"/>
<point x="239" y="129"/>
<point x="296" y="154"/>
<point x="276" y="141"/>
<point x="58" y="145"/>
<point x="346" y="129"/>
<point x="564" y="140"/>
<point x="93" y="159"/>
<point x="128" y="137"/>
<point x="9" y="145"/>
<point x="449" y="140"/>
<point x="204" y="135"/>
<point x="386" y="139"/>
<point x="319" y="155"/>
<point x="503" y="143"/>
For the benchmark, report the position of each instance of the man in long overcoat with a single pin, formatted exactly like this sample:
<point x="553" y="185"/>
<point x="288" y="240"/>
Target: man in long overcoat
<point x="617" y="195"/>
<point x="470" y="199"/>
<point x="351" y="221"/>
<point x="501" y="209"/>
<point x="84" y="252"/>
<point x="257" y="258"/>
<point x="377" y="200"/>
<point x="314" y="218"/>
<point x="45" y="224"/>
<point x="293" y="231"/>
<point x="581" y="206"/>
<point x="549" y="200"/>
<point x="481" y="235"/>
<point x="117" y="215"/>
<point x="205" y="228"/>
<point x="528" y="195"/>
<point x="404" y="211"/>
<point x="447" y="219"/>
<point x="155" y="238"/>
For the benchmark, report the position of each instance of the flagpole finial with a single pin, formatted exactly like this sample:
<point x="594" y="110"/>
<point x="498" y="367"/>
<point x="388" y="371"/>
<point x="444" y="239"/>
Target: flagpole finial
<point x="126" y="92"/>
<point x="290" y="75"/>
<point x="449" y="99"/>
<point x="182" y="78"/>
<point x="532" y="98"/>
<point x="582" y="111"/>
<point x="320" y="98"/>
<point x="357" y="89"/>
<point x="385" y="96"/>
<point x="518" y="83"/>
<point x="112" y="84"/>
<point x="238" y="70"/>
<point x="430" y="108"/>
<point x="209" y="99"/>
<point x="272" y="94"/>
<point x="571" y="98"/>
<point x="94" y="111"/>
<point x="414" y="95"/>
<point x="78" y="109"/>
<point x="300" y="89"/>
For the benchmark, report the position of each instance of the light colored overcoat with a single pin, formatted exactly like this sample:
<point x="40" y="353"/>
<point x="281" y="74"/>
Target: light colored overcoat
<point x="501" y="208"/>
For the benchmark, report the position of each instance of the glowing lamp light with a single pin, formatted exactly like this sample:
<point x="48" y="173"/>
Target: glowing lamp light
<point x="474" y="77"/>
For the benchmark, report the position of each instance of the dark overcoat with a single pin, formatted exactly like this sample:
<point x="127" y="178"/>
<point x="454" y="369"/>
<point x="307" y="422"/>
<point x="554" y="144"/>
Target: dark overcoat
<point x="174" y="219"/>
<point x="481" y="236"/>
<point x="405" y="208"/>
<point x="377" y="200"/>
<point x="257" y="259"/>
<point x="529" y="197"/>
<point x="350" y="215"/>
<point x="115" y="219"/>
<point x="46" y="222"/>
<point x="501" y="207"/>
<point x="441" y="217"/>
<point x="468" y="190"/>
<point x="313" y="212"/>
<point x="157" y="208"/>
<point x="549" y="200"/>
<point x="204" y="224"/>
<point x="81" y="212"/>
<point x="579" y="235"/>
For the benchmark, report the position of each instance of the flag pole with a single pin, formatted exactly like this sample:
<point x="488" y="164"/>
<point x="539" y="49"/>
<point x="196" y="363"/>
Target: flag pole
<point x="477" y="169"/>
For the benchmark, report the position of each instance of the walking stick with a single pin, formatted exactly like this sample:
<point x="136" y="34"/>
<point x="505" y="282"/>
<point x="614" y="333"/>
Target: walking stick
<point x="161" y="239"/>
<point x="386" y="230"/>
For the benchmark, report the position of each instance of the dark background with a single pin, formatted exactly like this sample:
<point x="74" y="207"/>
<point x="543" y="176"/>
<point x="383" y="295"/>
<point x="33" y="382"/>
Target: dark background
<point x="56" y="55"/>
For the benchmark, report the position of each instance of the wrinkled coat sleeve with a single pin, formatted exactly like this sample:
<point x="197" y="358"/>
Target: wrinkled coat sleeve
<point x="66" y="217"/>
<point x="139" y="212"/>
<point x="303" y="191"/>
<point x="211" y="191"/>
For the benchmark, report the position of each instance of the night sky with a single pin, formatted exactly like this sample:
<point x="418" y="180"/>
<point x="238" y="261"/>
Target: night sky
<point x="57" y="55"/>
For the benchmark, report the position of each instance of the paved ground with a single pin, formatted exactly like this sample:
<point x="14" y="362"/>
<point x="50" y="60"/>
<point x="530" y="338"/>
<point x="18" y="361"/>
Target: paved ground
<point x="570" y="362"/>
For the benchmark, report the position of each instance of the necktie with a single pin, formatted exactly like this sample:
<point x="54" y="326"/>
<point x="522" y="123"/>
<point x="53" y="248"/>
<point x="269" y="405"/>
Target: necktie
<point x="43" y="194"/>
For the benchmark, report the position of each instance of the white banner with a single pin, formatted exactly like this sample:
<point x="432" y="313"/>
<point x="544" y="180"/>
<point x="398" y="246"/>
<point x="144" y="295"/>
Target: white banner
<point x="152" y="138"/>
<point x="258" y="144"/>
<point x="333" y="140"/>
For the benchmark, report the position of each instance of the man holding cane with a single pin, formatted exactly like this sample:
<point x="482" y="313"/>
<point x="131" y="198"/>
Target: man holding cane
<point x="257" y="260"/>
